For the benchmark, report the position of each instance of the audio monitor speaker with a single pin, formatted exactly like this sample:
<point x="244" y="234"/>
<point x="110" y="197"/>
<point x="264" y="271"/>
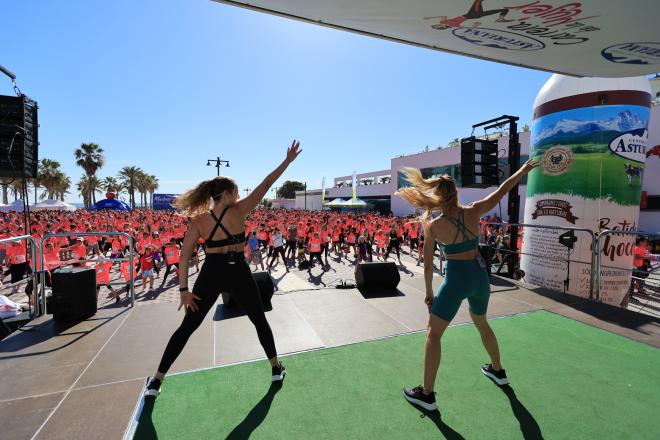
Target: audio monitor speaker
<point x="74" y="294"/>
<point x="377" y="277"/>
<point x="266" y="290"/>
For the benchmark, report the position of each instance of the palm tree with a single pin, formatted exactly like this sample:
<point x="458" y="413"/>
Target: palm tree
<point x="5" y="182"/>
<point x="83" y="189"/>
<point x="17" y="189"/>
<point x="141" y="186"/>
<point x="95" y="186"/>
<point x="110" y="184"/>
<point x="152" y="186"/>
<point x="90" y="158"/>
<point x="130" y="175"/>
<point x="62" y="187"/>
<point x="48" y="176"/>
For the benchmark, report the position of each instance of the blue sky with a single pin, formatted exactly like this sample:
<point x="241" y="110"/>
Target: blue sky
<point x="165" y="85"/>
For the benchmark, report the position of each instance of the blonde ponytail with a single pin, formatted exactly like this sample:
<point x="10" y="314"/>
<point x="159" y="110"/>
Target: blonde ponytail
<point x="198" y="199"/>
<point x="438" y="194"/>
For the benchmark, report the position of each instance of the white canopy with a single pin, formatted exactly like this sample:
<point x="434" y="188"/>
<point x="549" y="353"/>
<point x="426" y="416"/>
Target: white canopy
<point x="53" y="205"/>
<point x="16" y="205"/>
<point x="336" y="202"/>
<point x="357" y="203"/>
<point x="604" y="38"/>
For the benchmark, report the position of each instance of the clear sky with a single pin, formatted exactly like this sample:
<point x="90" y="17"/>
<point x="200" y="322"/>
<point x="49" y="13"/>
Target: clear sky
<point x="166" y="85"/>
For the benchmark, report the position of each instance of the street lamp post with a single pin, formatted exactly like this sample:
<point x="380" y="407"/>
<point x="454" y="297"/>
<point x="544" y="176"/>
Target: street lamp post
<point x="218" y="163"/>
<point x="305" y="196"/>
<point x="247" y="191"/>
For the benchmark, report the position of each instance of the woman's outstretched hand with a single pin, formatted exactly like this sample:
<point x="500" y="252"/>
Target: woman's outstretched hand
<point x="187" y="299"/>
<point x="293" y="151"/>
<point x="529" y="166"/>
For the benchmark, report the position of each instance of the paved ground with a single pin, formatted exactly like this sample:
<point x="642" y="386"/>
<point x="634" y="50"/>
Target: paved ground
<point x="84" y="380"/>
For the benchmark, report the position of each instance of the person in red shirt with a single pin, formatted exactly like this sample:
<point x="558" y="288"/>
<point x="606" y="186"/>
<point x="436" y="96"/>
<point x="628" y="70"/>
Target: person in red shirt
<point x="157" y="244"/>
<point x="315" y="247"/>
<point x="147" y="267"/>
<point x="642" y="264"/>
<point x="17" y="261"/>
<point x="125" y="272"/>
<point x="92" y="243"/>
<point x="171" y="257"/>
<point x="79" y="250"/>
<point x="102" y="269"/>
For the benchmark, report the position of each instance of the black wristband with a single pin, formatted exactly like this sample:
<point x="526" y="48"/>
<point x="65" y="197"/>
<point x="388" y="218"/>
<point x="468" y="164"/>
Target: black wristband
<point x="183" y="289"/>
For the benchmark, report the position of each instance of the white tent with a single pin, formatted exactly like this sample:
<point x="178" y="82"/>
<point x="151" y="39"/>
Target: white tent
<point x="52" y="205"/>
<point x="350" y="203"/>
<point x="16" y="205"/>
<point x="336" y="202"/>
<point x="596" y="38"/>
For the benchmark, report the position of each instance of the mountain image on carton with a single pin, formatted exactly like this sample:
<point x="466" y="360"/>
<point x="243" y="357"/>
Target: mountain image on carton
<point x="582" y="131"/>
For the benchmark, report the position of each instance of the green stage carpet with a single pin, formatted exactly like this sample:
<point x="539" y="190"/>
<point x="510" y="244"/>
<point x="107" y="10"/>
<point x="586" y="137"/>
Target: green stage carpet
<point x="569" y="381"/>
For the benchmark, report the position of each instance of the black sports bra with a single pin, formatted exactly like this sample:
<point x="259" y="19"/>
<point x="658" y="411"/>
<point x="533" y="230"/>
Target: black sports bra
<point x="231" y="238"/>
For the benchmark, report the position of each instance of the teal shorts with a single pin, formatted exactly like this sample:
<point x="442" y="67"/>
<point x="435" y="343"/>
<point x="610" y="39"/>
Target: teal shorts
<point x="463" y="279"/>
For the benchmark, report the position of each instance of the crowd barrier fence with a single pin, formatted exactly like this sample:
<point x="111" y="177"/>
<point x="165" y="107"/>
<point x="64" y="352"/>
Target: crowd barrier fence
<point x="39" y="303"/>
<point x="592" y="236"/>
<point x="130" y="258"/>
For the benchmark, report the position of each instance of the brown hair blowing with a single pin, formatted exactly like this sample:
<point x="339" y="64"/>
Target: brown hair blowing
<point x="437" y="194"/>
<point x="198" y="199"/>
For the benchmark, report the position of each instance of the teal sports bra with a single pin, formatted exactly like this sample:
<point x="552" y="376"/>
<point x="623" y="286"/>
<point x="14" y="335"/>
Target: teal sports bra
<point x="468" y="245"/>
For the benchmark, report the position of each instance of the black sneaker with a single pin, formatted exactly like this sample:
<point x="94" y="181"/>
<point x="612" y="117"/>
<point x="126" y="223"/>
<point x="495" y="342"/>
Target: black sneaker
<point x="279" y="372"/>
<point x="499" y="377"/>
<point x="153" y="387"/>
<point x="416" y="395"/>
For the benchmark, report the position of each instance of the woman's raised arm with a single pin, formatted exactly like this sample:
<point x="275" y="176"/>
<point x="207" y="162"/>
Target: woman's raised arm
<point x="488" y="203"/>
<point x="250" y="202"/>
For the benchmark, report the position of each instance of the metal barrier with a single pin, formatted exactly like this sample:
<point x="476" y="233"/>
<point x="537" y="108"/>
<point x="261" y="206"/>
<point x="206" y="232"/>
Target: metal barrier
<point x="37" y="303"/>
<point x="597" y="249"/>
<point x="592" y="262"/>
<point x="130" y="258"/>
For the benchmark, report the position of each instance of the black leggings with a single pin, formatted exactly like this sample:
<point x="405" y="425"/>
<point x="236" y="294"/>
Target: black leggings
<point x="316" y="255"/>
<point x="216" y="276"/>
<point x="167" y="271"/>
<point x="394" y="246"/>
<point x="276" y="252"/>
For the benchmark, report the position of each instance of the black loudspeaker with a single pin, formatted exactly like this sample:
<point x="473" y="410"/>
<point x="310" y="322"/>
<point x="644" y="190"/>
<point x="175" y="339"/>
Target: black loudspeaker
<point x="372" y="277"/>
<point x="266" y="290"/>
<point x="19" y="140"/>
<point x="479" y="166"/>
<point x="74" y="294"/>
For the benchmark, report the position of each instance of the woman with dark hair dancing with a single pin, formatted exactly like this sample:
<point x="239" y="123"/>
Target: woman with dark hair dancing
<point x="457" y="230"/>
<point x="225" y="268"/>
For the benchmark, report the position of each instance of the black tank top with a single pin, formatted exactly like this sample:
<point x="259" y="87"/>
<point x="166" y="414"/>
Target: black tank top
<point x="231" y="238"/>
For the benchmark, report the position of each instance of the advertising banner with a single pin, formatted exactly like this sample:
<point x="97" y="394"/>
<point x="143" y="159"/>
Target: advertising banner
<point x="595" y="38"/>
<point x="163" y="201"/>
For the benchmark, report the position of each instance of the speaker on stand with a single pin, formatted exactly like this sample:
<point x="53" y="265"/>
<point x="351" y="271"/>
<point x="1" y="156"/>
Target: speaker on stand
<point x="19" y="139"/>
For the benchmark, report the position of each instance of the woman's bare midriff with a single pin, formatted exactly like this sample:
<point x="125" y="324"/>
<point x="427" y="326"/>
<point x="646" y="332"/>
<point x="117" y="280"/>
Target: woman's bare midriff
<point x="226" y="249"/>
<point x="467" y="255"/>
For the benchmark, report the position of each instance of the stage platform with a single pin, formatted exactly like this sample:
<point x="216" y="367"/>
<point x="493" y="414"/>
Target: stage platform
<point x="84" y="382"/>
